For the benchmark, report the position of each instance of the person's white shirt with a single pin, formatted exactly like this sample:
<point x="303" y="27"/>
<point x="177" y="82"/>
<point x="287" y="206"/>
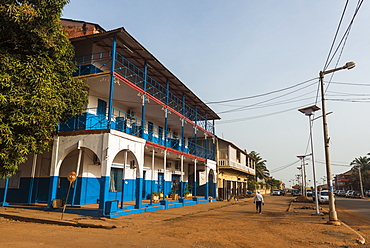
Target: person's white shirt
<point x="258" y="197"/>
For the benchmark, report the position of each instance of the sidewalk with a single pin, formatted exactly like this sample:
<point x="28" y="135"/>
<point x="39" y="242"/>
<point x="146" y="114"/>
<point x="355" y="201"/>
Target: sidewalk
<point x="40" y="214"/>
<point x="220" y="224"/>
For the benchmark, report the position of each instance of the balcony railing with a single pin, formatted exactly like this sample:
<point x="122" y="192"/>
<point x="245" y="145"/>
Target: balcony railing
<point x="232" y="164"/>
<point x="127" y="123"/>
<point x="99" y="62"/>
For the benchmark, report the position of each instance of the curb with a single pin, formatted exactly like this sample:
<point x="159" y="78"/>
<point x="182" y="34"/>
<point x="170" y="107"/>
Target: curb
<point x="55" y="222"/>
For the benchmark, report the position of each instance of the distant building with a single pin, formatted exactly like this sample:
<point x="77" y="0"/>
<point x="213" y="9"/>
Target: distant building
<point x="342" y="181"/>
<point x="234" y="167"/>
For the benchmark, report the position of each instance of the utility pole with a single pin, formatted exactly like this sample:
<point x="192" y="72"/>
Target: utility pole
<point x="333" y="218"/>
<point x="361" y="187"/>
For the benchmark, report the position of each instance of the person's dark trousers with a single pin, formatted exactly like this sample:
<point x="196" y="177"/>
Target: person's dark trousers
<point x="259" y="206"/>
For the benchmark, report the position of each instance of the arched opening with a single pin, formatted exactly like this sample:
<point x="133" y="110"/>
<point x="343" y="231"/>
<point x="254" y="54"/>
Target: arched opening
<point x="86" y="188"/>
<point x="123" y="174"/>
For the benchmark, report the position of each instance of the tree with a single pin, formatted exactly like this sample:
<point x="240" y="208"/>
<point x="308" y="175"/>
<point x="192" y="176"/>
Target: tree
<point x="274" y="183"/>
<point x="261" y="170"/>
<point x="364" y="164"/>
<point x="37" y="90"/>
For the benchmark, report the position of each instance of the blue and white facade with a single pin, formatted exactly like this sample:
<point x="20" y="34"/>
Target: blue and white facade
<point x="143" y="131"/>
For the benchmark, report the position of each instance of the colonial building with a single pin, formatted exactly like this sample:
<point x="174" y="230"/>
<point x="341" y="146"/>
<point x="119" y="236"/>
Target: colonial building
<point x="234" y="166"/>
<point x="342" y="181"/>
<point x="143" y="132"/>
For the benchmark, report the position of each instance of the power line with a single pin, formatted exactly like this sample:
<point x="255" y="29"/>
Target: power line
<point x="241" y="108"/>
<point x="257" y="116"/>
<point x="346" y="33"/>
<point x="351" y="84"/>
<point x="265" y="94"/>
<point x="284" y="166"/>
<point x="335" y="36"/>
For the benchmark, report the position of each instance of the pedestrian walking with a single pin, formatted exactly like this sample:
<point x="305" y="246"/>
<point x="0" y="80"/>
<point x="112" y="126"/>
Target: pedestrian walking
<point x="258" y="200"/>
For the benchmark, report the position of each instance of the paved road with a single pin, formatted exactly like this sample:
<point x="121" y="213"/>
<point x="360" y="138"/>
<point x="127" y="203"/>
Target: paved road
<point x="359" y="206"/>
<point x="356" y="213"/>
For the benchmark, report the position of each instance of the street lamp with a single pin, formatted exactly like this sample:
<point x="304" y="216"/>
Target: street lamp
<point x="333" y="218"/>
<point x="302" y="186"/>
<point x="309" y="111"/>
<point x="304" y="177"/>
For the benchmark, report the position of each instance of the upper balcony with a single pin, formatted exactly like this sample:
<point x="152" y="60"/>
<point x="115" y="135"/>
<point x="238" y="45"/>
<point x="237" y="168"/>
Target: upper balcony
<point x="228" y="164"/>
<point x="101" y="62"/>
<point x="95" y="118"/>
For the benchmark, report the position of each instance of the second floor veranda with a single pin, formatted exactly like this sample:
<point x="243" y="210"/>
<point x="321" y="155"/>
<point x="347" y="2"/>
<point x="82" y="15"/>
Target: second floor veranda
<point x="229" y="164"/>
<point x="96" y="118"/>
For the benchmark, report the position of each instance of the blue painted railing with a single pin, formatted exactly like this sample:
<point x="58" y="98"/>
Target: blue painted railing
<point x="130" y="124"/>
<point x="99" y="62"/>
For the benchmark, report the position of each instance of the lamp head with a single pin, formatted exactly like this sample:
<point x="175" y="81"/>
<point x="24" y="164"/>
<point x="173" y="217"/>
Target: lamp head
<point x="350" y="65"/>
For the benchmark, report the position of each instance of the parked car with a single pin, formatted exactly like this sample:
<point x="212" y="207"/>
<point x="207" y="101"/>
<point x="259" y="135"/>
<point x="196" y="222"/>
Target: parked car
<point x="309" y="192"/>
<point x="367" y="193"/>
<point x="282" y="192"/>
<point x="356" y="194"/>
<point x="296" y="192"/>
<point x="349" y="193"/>
<point x="340" y="193"/>
<point x="276" y="192"/>
<point x="323" y="196"/>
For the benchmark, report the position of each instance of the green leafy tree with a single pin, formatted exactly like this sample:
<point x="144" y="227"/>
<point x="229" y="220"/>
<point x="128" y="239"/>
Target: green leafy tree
<point x="261" y="170"/>
<point x="37" y="89"/>
<point x="364" y="164"/>
<point x="274" y="183"/>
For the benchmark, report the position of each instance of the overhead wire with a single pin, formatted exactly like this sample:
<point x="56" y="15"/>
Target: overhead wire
<point x="344" y="40"/>
<point x="268" y="100"/>
<point x="257" y="116"/>
<point x="329" y="59"/>
<point x="284" y="167"/>
<point x="335" y="36"/>
<point x="264" y="94"/>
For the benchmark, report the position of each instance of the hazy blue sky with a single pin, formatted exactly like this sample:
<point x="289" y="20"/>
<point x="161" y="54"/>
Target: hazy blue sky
<point x="231" y="49"/>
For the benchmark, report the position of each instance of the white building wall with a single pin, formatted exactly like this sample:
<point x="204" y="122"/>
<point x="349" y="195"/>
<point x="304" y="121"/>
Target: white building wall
<point x="232" y="154"/>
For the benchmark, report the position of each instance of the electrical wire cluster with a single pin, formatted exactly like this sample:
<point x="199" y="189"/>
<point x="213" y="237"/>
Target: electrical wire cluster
<point x="307" y="89"/>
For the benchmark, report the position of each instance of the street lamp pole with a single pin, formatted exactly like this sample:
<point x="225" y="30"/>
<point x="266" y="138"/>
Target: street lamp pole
<point x="309" y="111"/>
<point x="333" y="218"/>
<point x="304" y="183"/>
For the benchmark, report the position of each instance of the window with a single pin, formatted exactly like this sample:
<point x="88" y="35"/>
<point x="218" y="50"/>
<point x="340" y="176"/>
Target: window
<point x="102" y="107"/>
<point x="116" y="175"/>
<point x="14" y="181"/>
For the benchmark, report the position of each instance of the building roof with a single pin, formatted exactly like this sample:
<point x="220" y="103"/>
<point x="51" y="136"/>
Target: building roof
<point x="132" y="50"/>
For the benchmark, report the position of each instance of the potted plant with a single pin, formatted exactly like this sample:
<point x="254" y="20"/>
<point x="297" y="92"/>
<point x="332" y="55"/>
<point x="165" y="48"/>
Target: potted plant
<point x="174" y="195"/>
<point x="155" y="196"/>
<point x="188" y="193"/>
<point x="174" y="188"/>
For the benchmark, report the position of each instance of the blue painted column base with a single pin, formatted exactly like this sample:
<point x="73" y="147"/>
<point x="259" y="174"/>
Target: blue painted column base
<point x="165" y="203"/>
<point x="3" y="204"/>
<point x="52" y="190"/>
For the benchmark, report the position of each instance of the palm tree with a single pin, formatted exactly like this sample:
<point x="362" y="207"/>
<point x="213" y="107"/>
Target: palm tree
<point x="261" y="170"/>
<point x="364" y="164"/>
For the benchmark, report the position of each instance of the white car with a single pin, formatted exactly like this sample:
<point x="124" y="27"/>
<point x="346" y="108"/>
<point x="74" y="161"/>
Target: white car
<point x="324" y="196"/>
<point x="276" y="192"/>
<point x="349" y="193"/>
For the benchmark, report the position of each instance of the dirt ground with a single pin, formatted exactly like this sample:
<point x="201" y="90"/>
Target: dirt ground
<point x="218" y="224"/>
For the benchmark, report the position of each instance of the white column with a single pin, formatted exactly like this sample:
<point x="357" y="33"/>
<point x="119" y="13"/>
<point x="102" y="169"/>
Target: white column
<point x="182" y="167"/>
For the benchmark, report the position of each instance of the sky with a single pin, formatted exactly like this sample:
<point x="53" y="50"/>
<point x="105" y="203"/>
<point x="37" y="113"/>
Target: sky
<point x="264" y="52"/>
